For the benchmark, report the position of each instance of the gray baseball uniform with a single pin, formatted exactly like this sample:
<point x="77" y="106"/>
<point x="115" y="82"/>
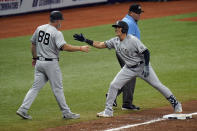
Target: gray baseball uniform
<point x="130" y="50"/>
<point x="48" y="41"/>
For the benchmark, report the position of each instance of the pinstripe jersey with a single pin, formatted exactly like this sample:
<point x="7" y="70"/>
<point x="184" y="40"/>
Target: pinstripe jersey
<point x="48" y="41"/>
<point x="130" y="49"/>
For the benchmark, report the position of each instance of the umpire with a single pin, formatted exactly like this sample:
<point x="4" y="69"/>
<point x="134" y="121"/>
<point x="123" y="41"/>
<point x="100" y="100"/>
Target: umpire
<point x="131" y="19"/>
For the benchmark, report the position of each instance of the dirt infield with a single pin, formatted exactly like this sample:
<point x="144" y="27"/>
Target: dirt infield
<point x="105" y="14"/>
<point x="139" y="117"/>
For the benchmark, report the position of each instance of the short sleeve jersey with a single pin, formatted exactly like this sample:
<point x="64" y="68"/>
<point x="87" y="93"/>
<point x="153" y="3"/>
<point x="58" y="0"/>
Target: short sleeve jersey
<point x="48" y="41"/>
<point x="130" y="49"/>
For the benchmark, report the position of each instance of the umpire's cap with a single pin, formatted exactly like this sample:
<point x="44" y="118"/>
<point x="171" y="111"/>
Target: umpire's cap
<point x="123" y="25"/>
<point x="136" y="8"/>
<point x="56" y="15"/>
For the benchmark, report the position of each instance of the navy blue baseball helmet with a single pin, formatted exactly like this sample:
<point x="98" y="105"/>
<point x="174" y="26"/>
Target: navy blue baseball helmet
<point x="56" y="15"/>
<point x="123" y="25"/>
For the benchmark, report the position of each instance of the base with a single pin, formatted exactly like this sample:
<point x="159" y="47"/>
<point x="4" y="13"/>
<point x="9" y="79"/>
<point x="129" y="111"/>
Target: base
<point x="178" y="116"/>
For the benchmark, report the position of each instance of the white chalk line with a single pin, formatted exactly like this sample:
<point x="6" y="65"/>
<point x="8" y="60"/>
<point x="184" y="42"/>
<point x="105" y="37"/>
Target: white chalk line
<point x="129" y="126"/>
<point x="144" y="123"/>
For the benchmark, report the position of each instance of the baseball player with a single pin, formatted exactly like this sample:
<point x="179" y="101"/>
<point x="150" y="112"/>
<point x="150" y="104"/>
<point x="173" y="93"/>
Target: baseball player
<point x="131" y="19"/>
<point x="47" y="42"/>
<point x="136" y="57"/>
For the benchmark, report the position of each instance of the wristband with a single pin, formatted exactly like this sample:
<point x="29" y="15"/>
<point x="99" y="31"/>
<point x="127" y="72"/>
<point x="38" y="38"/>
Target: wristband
<point x="90" y="42"/>
<point x="80" y="48"/>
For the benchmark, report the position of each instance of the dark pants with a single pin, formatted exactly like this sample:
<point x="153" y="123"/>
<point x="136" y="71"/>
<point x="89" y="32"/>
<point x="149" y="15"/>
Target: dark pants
<point x="128" y="89"/>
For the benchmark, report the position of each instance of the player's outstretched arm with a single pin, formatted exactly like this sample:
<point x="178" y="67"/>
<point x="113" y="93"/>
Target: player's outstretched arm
<point x="96" y="44"/>
<point x="71" y="48"/>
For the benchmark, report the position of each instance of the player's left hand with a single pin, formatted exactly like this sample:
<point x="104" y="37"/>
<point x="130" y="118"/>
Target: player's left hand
<point x="33" y="63"/>
<point x="146" y="71"/>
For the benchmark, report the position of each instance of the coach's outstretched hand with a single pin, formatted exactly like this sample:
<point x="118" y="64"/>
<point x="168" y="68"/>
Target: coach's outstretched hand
<point x="81" y="37"/>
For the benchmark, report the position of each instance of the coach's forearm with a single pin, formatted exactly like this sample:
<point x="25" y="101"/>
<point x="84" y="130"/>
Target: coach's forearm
<point x="71" y="48"/>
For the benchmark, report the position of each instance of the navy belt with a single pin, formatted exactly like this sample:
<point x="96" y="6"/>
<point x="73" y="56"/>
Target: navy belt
<point x="134" y="66"/>
<point x="46" y="59"/>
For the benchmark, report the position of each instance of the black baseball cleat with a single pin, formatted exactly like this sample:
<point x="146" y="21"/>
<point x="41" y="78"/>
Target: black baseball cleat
<point x="132" y="107"/>
<point x="115" y="103"/>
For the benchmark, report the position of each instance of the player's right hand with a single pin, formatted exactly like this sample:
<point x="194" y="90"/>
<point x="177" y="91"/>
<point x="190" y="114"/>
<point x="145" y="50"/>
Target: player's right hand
<point x="79" y="37"/>
<point x="146" y="71"/>
<point x="85" y="48"/>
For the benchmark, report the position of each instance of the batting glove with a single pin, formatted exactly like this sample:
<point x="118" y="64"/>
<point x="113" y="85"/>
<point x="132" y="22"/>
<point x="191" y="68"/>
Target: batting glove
<point x="79" y="37"/>
<point x="146" y="71"/>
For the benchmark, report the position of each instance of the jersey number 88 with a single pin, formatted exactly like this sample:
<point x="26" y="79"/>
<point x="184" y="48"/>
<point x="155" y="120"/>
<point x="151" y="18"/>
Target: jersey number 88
<point x="43" y="37"/>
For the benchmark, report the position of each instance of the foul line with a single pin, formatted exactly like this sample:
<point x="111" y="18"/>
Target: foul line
<point x="129" y="126"/>
<point x="139" y="124"/>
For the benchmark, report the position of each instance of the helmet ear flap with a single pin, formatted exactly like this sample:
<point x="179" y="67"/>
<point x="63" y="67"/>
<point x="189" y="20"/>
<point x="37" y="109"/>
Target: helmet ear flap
<point x="124" y="30"/>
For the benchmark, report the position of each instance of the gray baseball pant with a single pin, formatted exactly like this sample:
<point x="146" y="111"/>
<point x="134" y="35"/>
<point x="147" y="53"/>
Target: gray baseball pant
<point x="127" y="74"/>
<point x="127" y="89"/>
<point x="44" y="71"/>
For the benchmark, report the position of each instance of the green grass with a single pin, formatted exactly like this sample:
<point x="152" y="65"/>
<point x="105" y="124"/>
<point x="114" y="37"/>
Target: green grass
<point x="86" y="76"/>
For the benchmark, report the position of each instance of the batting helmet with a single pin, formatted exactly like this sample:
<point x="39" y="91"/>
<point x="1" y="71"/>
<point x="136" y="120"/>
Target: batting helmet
<point x="123" y="25"/>
<point x="56" y="15"/>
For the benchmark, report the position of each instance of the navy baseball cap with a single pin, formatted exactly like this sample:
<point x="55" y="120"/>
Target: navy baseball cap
<point x="136" y="8"/>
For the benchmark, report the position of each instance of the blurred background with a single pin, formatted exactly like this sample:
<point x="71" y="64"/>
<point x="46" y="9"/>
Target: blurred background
<point x="13" y="7"/>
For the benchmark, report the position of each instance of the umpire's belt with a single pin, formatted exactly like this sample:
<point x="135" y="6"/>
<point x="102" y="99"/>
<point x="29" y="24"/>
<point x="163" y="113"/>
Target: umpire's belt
<point x="134" y="66"/>
<point x="47" y="59"/>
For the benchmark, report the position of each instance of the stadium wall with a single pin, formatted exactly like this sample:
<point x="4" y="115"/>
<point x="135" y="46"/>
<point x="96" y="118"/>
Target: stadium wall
<point x="12" y="7"/>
